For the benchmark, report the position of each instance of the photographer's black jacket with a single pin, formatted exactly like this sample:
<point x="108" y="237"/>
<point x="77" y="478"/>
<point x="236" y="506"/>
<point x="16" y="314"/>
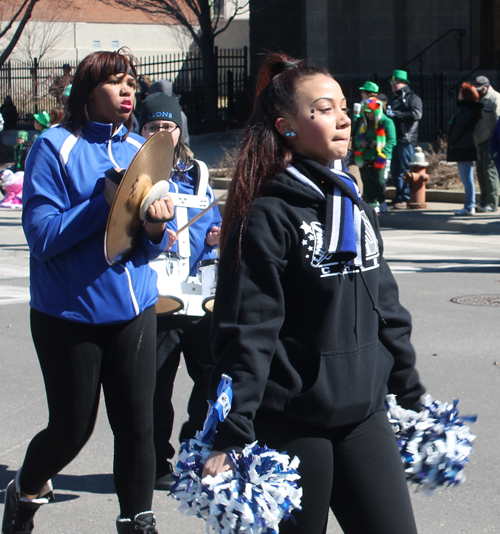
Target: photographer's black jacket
<point x="406" y="112"/>
<point x="296" y="329"/>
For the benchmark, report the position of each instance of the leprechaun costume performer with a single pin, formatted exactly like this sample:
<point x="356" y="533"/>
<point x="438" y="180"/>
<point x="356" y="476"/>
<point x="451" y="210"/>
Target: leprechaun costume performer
<point x="374" y="142"/>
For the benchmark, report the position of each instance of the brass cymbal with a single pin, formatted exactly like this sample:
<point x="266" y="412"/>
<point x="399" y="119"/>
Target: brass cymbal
<point x="152" y="163"/>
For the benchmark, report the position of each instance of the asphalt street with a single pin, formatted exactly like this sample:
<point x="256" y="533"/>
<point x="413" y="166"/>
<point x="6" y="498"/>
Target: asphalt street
<point x="458" y="357"/>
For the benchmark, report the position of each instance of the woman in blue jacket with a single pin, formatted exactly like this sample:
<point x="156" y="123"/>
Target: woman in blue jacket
<point x="92" y="324"/>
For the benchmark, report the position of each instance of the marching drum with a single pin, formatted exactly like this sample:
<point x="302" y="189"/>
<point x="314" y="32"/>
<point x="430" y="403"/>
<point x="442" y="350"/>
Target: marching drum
<point x="168" y="268"/>
<point x="208" y="276"/>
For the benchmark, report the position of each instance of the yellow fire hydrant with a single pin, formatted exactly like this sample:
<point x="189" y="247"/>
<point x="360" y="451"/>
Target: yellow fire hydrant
<point x="416" y="178"/>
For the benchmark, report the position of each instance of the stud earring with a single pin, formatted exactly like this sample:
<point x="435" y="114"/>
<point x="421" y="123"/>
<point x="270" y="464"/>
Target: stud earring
<point x="291" y="134"/>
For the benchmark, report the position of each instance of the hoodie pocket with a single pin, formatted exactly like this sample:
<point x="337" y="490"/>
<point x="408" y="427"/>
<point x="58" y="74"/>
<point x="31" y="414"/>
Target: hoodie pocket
<point x="349" y="387"/>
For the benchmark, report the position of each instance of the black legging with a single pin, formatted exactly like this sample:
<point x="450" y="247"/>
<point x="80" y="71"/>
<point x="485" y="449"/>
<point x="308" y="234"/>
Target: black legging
<point x="190" y="336"/>
<point x="355" y="470"/>
<point x="76" y="359"/>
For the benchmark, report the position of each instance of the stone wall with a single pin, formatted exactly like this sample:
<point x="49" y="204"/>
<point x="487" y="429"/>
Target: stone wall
<point x="381" y="35"/>
<point x="359" y="36"/>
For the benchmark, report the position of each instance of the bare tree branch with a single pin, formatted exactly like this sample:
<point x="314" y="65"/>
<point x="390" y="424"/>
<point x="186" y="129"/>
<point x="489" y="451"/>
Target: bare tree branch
<point x="239" y="8"/>
<point x="27" y="15"/>
<point x="14" y="18"/>
<point x="40" y="37"/>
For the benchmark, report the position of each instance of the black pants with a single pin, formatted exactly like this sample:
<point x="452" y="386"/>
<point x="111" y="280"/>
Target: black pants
<point x="354" y="470"/>
<point x="178" y="334"/>
<point x="76" y="359"/>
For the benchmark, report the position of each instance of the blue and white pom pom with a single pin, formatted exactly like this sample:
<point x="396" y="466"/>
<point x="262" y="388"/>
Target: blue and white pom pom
<point x="435" y="444"/>
<point x="262" y="492"/>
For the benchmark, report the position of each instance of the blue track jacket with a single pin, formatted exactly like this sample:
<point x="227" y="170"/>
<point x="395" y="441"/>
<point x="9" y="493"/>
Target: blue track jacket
<point x="64" y="219"/>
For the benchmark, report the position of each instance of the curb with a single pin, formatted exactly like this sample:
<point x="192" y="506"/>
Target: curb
<point x="444" y="222"/>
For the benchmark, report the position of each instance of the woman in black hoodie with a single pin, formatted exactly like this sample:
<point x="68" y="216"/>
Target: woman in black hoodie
<point x="307" y="320"/>
<point x="462" y="146"/>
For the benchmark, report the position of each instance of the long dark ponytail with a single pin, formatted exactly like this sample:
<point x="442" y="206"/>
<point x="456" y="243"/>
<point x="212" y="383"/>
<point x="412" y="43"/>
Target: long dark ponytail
<point x="264" y="151"/>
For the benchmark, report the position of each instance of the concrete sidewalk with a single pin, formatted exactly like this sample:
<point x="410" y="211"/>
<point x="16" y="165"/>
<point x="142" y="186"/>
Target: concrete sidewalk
<point x="439" y="215"/>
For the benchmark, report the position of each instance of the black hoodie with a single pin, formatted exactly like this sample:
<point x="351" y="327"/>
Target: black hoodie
<point x="295" y="328"/>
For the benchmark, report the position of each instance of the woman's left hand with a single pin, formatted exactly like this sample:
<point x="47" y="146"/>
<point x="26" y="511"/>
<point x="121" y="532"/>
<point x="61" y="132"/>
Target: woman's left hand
<point x="213" y="236"/>
<point x="160" y="210"/>
<point x="172" y="238"/>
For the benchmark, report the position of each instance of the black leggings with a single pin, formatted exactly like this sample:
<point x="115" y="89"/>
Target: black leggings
<point x="355" y="470"/>
<point x="190" y="336"/>
<point x="76" y="359"/>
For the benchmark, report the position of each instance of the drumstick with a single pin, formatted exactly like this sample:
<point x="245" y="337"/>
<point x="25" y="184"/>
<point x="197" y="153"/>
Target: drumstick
<point x="194" y="219"/>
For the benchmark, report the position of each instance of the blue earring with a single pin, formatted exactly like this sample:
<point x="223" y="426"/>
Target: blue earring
<point x="291" y="134"/>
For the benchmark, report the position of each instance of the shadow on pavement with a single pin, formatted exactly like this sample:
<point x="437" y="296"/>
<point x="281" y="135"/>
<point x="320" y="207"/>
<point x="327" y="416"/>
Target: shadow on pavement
<point x="96" y="483"/>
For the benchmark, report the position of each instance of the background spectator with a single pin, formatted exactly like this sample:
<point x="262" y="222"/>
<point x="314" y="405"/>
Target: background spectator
<point x="60" y="83"/>
<point x="487" y="175"/>
<point x="462" y="146"/>
<point x="9" y="113"/>
<point x="374" y="142"/>
<point x="42" y="122"/>
<point x="405" y="108"/>
<point x="21" y="149"/>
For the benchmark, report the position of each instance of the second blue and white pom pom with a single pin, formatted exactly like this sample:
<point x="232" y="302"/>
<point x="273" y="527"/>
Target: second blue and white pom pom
<point x="435" y="444"/>
<point x="254" y="499"/>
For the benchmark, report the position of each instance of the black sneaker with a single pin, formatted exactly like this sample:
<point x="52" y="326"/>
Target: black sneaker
<point x="18" y="511"/>
<point x="164" y="471"/>
<point x="144" y="522"/>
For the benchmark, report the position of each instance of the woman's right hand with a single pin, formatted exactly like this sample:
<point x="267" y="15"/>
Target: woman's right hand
<point x="217" y="462"/>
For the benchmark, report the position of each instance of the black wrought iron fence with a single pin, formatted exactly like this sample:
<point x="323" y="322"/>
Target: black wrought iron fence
<point x="186" y="74"/>
<point x="29" y="85"/>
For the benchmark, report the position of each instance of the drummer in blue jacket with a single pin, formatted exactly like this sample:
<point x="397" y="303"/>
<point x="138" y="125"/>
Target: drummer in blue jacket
<point x="186" y="331"/>
<point x="93" y="324"/>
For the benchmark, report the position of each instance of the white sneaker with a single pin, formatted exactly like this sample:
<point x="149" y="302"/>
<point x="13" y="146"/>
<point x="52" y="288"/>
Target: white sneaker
<point x="464" y="211"/>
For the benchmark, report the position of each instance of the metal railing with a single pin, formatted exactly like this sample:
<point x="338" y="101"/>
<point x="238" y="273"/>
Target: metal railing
<point x="460" y="34"/>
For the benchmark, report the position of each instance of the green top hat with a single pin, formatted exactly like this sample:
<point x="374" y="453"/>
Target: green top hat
<point x="400" y="75"/>
<point x="370" y="87"/>
<point x="21" y="134"/>
<point x="43" y="118"/>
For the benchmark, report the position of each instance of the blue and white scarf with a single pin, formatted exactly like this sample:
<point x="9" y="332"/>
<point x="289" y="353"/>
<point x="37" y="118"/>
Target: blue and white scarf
<point x="343" y="226"/>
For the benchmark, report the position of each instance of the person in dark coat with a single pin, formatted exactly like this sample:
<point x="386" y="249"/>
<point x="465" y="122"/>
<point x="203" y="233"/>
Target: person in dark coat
<point x="462" y="145"/>
<point x="405" y="109"/>
<point x="9" y="113"/>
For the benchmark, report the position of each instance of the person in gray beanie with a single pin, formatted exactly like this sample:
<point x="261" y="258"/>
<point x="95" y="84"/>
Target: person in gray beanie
<point x="159" y="106"/>
<point x="187" y="330"/>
